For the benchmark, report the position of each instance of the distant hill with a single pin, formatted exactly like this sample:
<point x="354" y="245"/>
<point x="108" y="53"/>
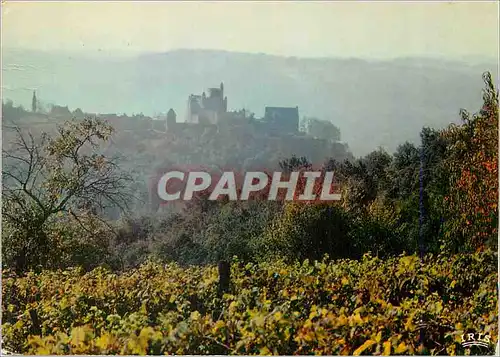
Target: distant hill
<point x="374" y="103"/>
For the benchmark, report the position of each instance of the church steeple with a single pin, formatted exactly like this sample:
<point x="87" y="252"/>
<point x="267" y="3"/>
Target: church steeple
<point x="33" y="102"/>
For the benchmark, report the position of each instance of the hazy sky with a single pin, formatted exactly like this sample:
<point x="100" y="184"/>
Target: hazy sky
<point x="312" y="29"/>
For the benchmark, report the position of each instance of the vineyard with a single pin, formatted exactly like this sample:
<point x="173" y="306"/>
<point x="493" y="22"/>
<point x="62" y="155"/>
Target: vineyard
<point x="395" y="306"/>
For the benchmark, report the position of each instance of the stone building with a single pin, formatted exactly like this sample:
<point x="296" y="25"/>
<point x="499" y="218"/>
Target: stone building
<point x="205" y="109"/>
<point x="282" y="120"/>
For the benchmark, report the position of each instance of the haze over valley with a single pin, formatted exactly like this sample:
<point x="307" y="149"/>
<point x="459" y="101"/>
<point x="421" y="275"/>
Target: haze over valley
<point x="374" y="103"/>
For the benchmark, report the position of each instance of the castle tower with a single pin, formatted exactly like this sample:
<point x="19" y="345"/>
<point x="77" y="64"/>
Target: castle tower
<point x="207" y="107"/>
<point x="171" y="118"/>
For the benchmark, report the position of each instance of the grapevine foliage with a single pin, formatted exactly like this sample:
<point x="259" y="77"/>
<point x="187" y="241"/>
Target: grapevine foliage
<point x="367" y="306"/>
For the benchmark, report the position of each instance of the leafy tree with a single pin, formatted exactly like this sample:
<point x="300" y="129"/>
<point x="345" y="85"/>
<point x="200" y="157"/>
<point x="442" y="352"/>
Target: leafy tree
<point x="11" y="113"/>
<point x="294" y="163"/>
<point x="322" y="129"/>
<point x="361" y="180"/>
<point x="435" y="182"/>
<point x="48" y="178"/>
<point x="473" y="167"/>
<point x="404" y="171"/>
<point x="236" y="228"/>
<point x="78" y="113"/>
<point x="377" y="164"/>
<point x="308" y="231"/>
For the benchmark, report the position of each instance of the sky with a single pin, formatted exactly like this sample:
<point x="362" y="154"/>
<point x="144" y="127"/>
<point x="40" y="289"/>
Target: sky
<point x="312" y="29"/>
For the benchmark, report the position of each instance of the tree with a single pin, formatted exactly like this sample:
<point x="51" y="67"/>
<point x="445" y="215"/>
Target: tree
<point x="11" y="113"/>
<point x="47" y="179"/>
<point x="472" y="163"/>
<point x="322" y="129"/>
<point x="78" y="113"/>
<point x="435" y="183"/>
<point x="404" y="171"/>
<point x="294" y="163"/>
<point x="305" y="231"/>
<point x="361" y="180"/>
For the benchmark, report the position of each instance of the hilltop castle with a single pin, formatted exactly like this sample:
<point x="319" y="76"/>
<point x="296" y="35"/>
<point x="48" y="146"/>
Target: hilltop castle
<point x="212" y="110"/>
